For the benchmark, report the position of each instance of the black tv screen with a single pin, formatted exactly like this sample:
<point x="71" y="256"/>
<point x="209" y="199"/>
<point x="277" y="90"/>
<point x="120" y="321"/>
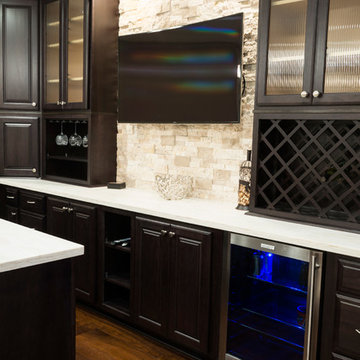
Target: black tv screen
<point x="188" y="74"/>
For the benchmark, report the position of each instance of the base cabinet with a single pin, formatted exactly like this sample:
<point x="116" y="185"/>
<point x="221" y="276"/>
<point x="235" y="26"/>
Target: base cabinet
<point x="76" y="222"/>
<point x="172" y="287"/>
<point x="341" y="311"/>
<point x="19" y="146"/>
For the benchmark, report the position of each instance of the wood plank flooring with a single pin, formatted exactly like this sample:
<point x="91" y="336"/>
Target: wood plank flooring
<point x="99" y="339"/>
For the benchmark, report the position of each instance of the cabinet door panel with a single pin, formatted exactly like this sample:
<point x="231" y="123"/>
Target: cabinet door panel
<point x="84" y="233"/>
<point x="19" y="144"/>
<point x="347" y="327"/>
<point x="19" y="75"/>
<point x="337" y="68"/>
<point x="190" y="287"/>
<point x="286" y="51"/>
<point x="52" y="54"/>
<point x="151" y="275"/>
<point x="58" y="219"/>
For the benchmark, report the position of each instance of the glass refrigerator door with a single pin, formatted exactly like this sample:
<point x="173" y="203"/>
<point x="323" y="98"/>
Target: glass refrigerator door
<point x="267" y="306"/>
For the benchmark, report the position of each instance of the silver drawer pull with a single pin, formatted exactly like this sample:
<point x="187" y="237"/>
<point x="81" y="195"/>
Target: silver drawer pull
<point x="31" y="202"/>
<point x="358" y="331"/>
<point x="10" y="197"/>
<point x="13" y="213"/>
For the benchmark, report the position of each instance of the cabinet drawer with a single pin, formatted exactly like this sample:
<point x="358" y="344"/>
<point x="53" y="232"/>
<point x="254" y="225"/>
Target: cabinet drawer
<point x="349" y="277"/>
<point x="32" y="202"/>
<point x="12" y="214"/>
<point x="347" y="325"/>
<point x="33" y="221"/>
<point x="11" y="197"/>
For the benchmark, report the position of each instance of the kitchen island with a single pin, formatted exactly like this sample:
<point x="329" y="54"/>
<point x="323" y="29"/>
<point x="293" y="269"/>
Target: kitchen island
<point x="37" y="312"/>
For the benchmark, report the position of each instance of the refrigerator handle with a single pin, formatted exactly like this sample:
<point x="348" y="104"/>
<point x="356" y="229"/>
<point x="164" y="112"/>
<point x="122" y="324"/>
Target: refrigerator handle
<point x="310" y="323"/>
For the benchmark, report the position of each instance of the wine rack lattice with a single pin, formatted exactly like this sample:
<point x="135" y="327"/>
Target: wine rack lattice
<point x="310" y="167"/>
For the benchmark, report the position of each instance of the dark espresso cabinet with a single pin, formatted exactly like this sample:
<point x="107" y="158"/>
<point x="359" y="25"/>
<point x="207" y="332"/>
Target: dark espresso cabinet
<point x="65" y="54"/>
<point x="19" y="58"/>
<point x="19" y="146"/>
<point x="308" y="52"/>
<point x="76" y="78"/>
<point x="307" y="167"/>
<point x="76" y="222"/>
<point x="173" y="280"/>
<point x="80" y="89"/>
<point x="341" y="312"/>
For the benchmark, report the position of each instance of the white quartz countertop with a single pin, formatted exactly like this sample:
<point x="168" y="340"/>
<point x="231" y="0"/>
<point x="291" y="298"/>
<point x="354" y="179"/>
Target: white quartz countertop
<point x="22" y="247"/>
<point x="214" y="214"/>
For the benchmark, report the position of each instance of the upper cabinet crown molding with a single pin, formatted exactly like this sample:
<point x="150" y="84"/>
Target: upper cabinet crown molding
<point x="19" y="59"/>
<point x="308" y="52"/>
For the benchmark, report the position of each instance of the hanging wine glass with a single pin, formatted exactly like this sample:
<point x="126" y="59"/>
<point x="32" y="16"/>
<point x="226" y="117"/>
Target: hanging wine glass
<point x="75" y="139"/>
<point x="61" y="139"/>
<point x="85" y="141"/>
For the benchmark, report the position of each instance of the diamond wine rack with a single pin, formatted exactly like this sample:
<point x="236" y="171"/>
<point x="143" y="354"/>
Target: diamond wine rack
<point x="309" y="168"/>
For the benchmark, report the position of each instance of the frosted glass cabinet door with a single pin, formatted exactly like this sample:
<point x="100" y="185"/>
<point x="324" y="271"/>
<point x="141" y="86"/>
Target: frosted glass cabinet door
<point x="337" y="77"/>
<point x="286" y="40"/>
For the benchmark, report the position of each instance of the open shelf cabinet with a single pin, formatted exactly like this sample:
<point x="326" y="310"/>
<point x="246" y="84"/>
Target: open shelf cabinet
<point x="91" y="160"/>
<point x="116" y="263"/>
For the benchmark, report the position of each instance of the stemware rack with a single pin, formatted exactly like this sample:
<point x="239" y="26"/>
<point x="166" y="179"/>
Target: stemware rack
<point x="92" y="164"/>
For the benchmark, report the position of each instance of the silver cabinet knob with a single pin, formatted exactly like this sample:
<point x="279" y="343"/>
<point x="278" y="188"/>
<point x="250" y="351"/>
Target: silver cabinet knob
<point x="316" y="94"/>
<point x="70" y="210"/>
<point x="58" y="102"/>
<point x="33" y="104"/>
<point x="13" y="213"/>
<point x="33" y="170"/>
<point x="163" y="232"/>
<point x="171" y="234"/>
<point x="64" y="208"/>
<point x="304" y="94"/>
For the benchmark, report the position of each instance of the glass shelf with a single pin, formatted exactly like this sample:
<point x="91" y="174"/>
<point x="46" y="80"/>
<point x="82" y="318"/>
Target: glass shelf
<point x="277" y="283"/>
<point x="79" y="78"/>
<point x="77" y="18"/>
<point x="76" y="41"/>
<point x="53" y="23"/>
<point x="288" y="333"/>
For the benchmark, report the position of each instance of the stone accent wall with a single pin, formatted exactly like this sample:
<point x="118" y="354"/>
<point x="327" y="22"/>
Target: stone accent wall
<point x="212" y="154"/>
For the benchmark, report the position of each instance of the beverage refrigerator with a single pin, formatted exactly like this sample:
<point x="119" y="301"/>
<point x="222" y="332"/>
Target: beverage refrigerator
<point x="274" y="300"/>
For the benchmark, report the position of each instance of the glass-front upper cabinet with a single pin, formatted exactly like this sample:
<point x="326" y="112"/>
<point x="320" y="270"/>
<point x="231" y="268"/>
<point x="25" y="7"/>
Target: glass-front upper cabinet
<point x="65" y="49"/>
<point x="308" y="52"/>
<point x="337" y="62"/>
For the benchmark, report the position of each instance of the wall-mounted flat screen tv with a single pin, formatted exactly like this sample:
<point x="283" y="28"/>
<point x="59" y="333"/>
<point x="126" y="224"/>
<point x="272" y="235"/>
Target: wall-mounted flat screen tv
<point x="188" y="74"/>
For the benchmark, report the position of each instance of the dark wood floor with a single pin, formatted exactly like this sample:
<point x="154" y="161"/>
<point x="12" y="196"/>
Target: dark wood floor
<point x="99" y="339"/>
